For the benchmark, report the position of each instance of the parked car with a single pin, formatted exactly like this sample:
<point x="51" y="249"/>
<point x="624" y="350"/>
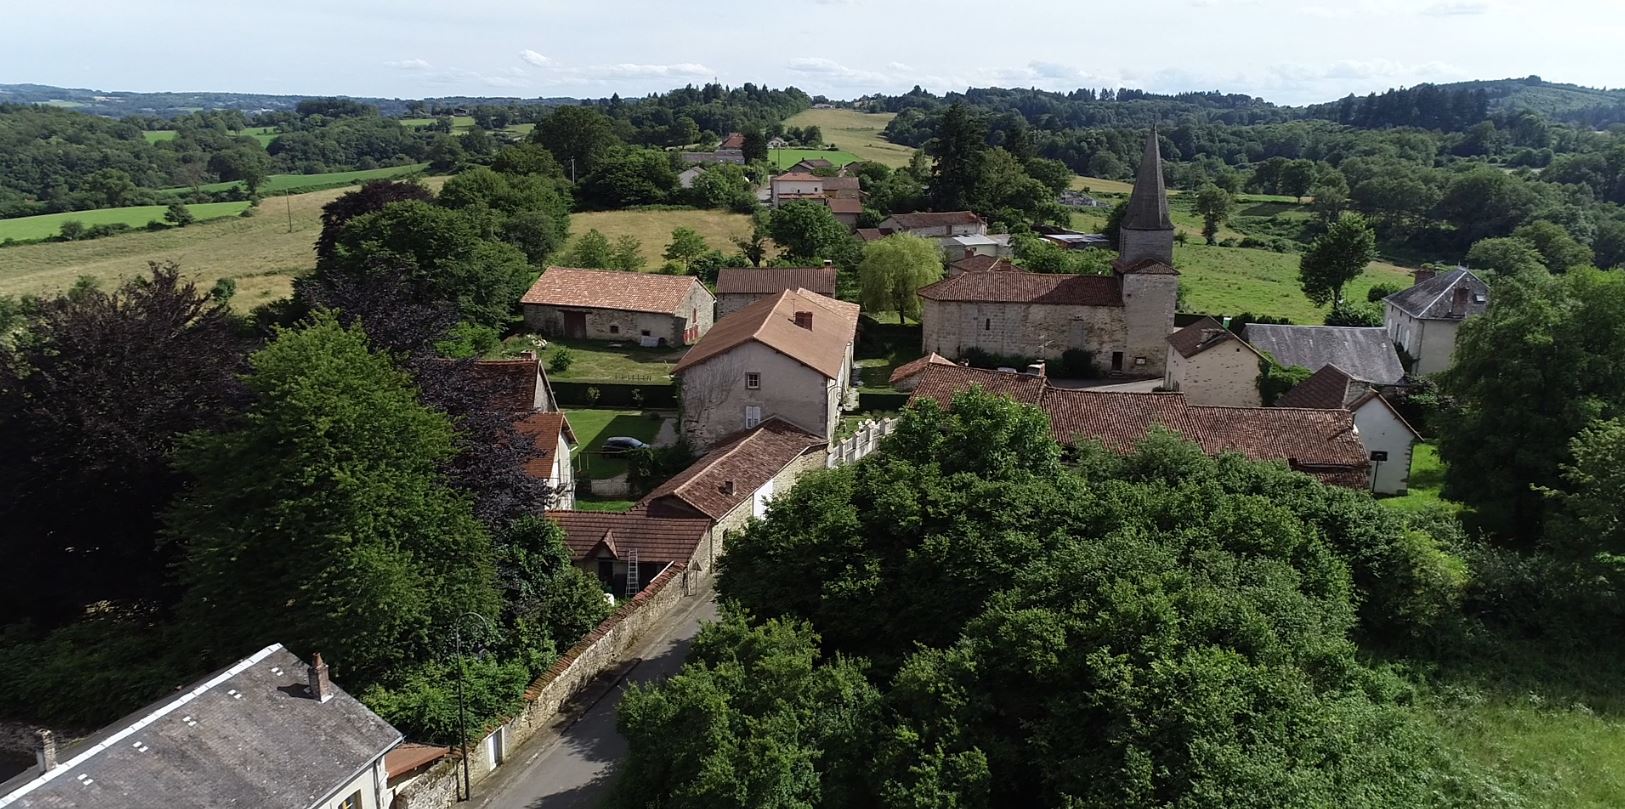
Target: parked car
<point x="620" y="445"/>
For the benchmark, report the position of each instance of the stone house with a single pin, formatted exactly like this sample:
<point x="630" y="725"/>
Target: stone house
<point x="786" y="357"/>
<point x="792" y="186"/>
<point x="607" y="545"/>
<point x="738" y="477"/>
<point x="1212" y="366"/>
<point x="266" y="731"/>
<point x="1364" y="353"/>
<point x="907" y="376"/>
<point x="553" y="460"/>
<point x="811" y="165"/>
<point x="738" y="287"/>
<point x="1423" y="320"/>
<point x="1387" y="437"/>
<point x="645" y="308"/>
<point x="1321" y="443"/>
<point x="1122" y="320"/>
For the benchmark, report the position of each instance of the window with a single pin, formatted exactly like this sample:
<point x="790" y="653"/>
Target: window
<point x="988" y="325"/>
<point x="352" y="802"/>
<point x="645" y="332"/>
<point x="753" y="380"/>
<point x="753" y="415"/>
<point x="614" y="329"/>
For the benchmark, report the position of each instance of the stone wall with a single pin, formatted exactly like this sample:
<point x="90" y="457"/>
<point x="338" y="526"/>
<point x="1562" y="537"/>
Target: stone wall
<point x="1225" y="375"/>
<point x="1042" y="331"/>
<point x="598" y="652"/>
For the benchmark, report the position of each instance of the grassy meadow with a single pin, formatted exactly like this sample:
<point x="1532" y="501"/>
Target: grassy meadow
<point x="653" y="226"/>
<point x="30" y="228"/>
<point x="263" y="134"/>
<point x="856" y="132"/>
<point x="597" y="360"/>
<point x="295" y="183"/>
<point x="785" y="158"/>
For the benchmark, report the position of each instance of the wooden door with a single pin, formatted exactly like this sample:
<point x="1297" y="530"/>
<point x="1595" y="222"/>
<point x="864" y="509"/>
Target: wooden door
<point x="575" y="325"/>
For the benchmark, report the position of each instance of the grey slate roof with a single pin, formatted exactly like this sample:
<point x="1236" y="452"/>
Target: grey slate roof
<point x="1148" y="204"/>
<point x="248" y="736"/>
<point x="1364" y="353"/>
<point x="1431" y="299"/>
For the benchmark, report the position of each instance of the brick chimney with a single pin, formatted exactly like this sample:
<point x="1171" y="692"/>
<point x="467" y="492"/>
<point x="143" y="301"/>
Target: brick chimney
<point x="321" y="688"/>
<point x="1458" y="301"/>
<point x="804" y="320"/>
<point x="45" y="750"/>
<point x="1421" y="276"/>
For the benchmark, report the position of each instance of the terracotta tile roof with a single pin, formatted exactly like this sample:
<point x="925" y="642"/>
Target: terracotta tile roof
<point x="656" y="539"/>
<point x="411" y="756"/>
<point x="765" y="280"/>
<point x="909" y="369"/>
<point x="1307" y="439"/>
<point x="510" y="384"/>
<point x="1322" y="443"/>
<point x="928" y="219"/>
<point x="772" y="322"/>
<point x="612" y="289"/>
<point x="798" y="177"/>
<point x="844" y="204"/>
<point x="730" y="474"/>
<point x="735" y="140"/>
<point x="981" y="263"/>
<point x="1027" y="287"/>
<point x="873" y="234"/>
<point x="1119" y="421"/>
<point x="1325" y="389"/>
<point x="940" y="383"/>
<point x="841" y="183"/>
<point x="544" y="429"/>
<point x="1203" y="335"/>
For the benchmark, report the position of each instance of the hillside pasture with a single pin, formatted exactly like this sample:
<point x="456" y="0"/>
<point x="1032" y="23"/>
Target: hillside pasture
<point x="652" y="227"/>
<point x="1232" y="280"/>
<point x="300" y="183"/>
<point x="30" y="228"/>
<point x="159" y="135"/>
<point x="785" y="158"/>
<point x="856" y="132"/>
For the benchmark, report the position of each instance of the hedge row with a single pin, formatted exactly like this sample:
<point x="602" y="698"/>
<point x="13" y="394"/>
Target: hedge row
<point x="615" y="394"/>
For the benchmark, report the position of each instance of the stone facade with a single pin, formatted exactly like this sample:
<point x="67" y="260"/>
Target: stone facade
<point x="1026" y="330"/>
<point x="1223" y="375"/>
<point x="717" y="399"/>
<point x="684" y="326"/>
<point x="1148" y="317"/>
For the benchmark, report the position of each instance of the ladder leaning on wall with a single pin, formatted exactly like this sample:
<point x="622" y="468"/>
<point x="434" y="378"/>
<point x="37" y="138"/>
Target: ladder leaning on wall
<point x="632" y="573"/>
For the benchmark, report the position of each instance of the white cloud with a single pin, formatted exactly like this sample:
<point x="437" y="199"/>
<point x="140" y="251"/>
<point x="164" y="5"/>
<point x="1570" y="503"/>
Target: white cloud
<point x="409" y="64"/>
<point x="830" y="69"/>
<point x="635" y="71"/>
<point x="1457" y="8"/>
<point x="534" y="58"/>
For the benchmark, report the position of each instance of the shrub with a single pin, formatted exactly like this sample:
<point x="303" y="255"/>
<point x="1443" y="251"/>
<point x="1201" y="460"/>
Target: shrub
<point x="1275" y="380"/>
<point x="1380" y="291"/>
<point x="592" y="395"/>
<point x="1345" y="313"/>
<point x="422" y="700"/>
<point x="71" y="230"/>
<point x="983" y="359"/>
<point x="649" y="467"/>
<point x="469" y="340"/>
<point x="85" y="674"/>
<point x="179" y="215"/>
<point x="223" y="289"/>
<point x="561" y="360"/>
<point x="153" y="224"/>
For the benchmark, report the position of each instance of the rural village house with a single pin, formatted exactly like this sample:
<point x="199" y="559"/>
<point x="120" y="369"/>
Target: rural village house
<point x="517" y="385"/>
<point x="267" y="731"/>
<point x="607" y="544"/>
<point x="646" y="308"/>
<point x="1423" y="320"/>
<point x="554" y="458"/>
<point x="787" y="357"/>
<point x="738" y="287"/>
<point x="1322" y="443"/>
<point x="972" y="261"/>
<point x="1212" y="366"/>
<point x="907" y="376"/>
<point x="1122" y="320"/>
<point x="686" y="177"/>
<point x="1364" y="353"/>
<point x="734" y="481"/>
<point x="1387" y="437"/>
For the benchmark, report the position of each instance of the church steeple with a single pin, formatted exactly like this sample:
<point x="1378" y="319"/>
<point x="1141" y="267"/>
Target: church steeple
<point x="1148" y="232"/>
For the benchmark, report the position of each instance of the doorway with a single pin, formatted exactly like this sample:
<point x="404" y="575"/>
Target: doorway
<point x="575" y="325"/>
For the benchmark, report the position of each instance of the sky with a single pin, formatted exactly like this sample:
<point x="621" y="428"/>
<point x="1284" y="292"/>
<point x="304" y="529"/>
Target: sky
<point x="1287" y="51"/>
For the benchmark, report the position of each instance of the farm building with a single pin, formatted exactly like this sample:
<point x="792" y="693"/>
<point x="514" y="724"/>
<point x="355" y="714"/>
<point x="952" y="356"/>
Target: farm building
<point x="739" y="287"/>
<point x="649" y="309"/>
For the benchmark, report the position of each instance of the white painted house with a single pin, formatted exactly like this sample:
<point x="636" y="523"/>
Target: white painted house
<point x="1424" y="319"/>
<point x="553" y="458"/>
<point x="1388" y="439"/>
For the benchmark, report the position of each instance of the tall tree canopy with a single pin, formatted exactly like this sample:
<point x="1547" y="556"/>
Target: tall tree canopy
<point x="807" y="231"/>
<point x="319" y="518"/>
<point x="892" y="272"/>
<point x="96" y="388"/>
<point x="1337" y="257"/>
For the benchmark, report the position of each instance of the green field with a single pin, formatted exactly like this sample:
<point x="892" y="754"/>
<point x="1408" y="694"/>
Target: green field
<point x="263" y="134"/>
<point x="158" y="135"/>
<point x="652" y="227"/>
<point x="785" y="158"/>
<point x="459" y="123"/>
<point x="295" y="183"/>
<point x="29" y="228"/>
<point x="596" y="360"/>
<point x="591" y="427"/>
<point x="856" y="132"/>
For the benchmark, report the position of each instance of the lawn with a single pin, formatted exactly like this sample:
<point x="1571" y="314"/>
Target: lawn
<point x="158" y="135"/>
<point x="261" y="252"/>
<point x="609" y="362"/>
<point x="459" y="123"/>
<point x="856" y="132"/>
<point x="263" y="134"/>
<point x="591" y="427"/>
<point x="882" y="351"/>
<point x="1232" y="280"/>
<point x="785" y="158"/>
<point x="1427" y="483"/>
<point x="653" y="226"/>
<point x="29" y="228"/>
<point x="296" y="183"/>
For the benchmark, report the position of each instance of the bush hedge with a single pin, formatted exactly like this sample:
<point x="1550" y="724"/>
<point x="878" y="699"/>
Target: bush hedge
<point x="616" y="394"/>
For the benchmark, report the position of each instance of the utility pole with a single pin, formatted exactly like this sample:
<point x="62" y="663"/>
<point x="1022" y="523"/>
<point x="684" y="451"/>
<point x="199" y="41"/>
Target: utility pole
<point x="288" y="200"/>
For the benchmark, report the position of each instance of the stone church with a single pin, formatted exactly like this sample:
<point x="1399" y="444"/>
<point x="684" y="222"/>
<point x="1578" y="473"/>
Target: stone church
<point x="1122" y="320"/>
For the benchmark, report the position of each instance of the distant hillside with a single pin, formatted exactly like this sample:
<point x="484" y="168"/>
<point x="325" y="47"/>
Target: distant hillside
<point x="1563" y="102"/>
<point x="117" y="104"/>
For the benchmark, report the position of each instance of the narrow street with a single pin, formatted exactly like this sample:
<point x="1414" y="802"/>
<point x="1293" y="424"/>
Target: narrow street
<point x="576" y="768"/>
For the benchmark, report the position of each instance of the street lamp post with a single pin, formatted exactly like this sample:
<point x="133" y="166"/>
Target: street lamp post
<point x="462" y="707"/>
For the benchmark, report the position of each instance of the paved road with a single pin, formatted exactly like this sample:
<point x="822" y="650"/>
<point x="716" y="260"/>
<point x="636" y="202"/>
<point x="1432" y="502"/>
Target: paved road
<point x="574" y="770"/>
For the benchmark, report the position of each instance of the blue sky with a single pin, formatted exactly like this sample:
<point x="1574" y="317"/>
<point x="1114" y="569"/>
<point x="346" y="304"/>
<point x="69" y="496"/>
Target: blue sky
<point x="1291" y="51"/>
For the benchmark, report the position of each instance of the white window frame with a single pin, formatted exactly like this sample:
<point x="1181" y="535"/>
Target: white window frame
<point x="753" y="416"/>
<point x="753" y="380"/>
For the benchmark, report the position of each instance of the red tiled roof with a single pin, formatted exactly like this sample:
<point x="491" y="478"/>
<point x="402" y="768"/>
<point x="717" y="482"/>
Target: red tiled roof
<point x="735" y="140"/>
<point x="909" y="369"/>
<point x="410" y="756"/>
<point x="929" y="219"/>
<point x="841" y="183"/>
<point x="981" y="263"/>
<point x="844" y="204"/>
<point x="1027" y="287"/>
<point x="1196" y="338"/>
<point x="767" y="280"/>
<point x="1325" y="389"/>
<point x="772" y="322"/>
<point x="873" y="234"/>
<point x="1322" y="443"/>
<point x="797" y="177"/>
<point x="730" y="474"/>
<point x="612" y="289"/>
<point x="544" y="430"/>
<point x="656" y="539"/>
<point x="511" y="384"/>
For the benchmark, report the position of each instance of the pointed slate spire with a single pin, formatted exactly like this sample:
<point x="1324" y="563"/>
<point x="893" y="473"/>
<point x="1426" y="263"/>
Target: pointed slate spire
<point x="1148" y="205"/>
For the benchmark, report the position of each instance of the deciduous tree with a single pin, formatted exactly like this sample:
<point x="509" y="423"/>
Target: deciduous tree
<point x="1337" y="257"/>
<point x="1214" y="204"/>
<point x="892" y="272"/>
